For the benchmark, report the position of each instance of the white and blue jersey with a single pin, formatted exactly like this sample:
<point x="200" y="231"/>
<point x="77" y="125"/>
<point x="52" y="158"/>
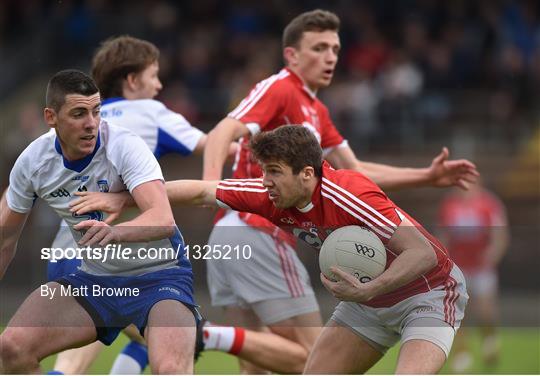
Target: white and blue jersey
<point x="121" y="160"/>
<point x="162" y="130"/>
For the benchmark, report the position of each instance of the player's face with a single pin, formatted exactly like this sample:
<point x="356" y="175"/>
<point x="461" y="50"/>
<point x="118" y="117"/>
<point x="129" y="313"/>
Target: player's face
<point x="147" y="83"/>
<point x="76" y="124"/>
<point x="316" y="57"/>
<point x="285" y="189"/>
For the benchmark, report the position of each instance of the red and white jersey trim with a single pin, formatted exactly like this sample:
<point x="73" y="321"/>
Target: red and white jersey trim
<point x="351" y="204"/>
<point x="246" y="185"/>
<point x="256" y="94"/>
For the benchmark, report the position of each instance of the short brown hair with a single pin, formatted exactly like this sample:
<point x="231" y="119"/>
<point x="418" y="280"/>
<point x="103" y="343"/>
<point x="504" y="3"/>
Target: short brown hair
<point x="315" y="20"/>
<point x="65" y="82"/>
<point x="118" y="57"/>
<point x="295" y="145"/>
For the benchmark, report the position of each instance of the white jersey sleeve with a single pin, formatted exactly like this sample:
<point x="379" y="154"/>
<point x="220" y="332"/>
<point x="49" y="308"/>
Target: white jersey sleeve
<point x="175" y="133"/>
<point x="20" y="194"/>
<point x="133" y="160"/>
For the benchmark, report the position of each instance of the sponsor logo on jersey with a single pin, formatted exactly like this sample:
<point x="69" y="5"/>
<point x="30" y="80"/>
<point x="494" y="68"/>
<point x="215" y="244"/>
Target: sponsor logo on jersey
<point x="61" y="192"/>
<point x="103" y="185"/>
<point x="287" y="220"/>
<point x="114" y="112"/>
<point x="82" y="178"/>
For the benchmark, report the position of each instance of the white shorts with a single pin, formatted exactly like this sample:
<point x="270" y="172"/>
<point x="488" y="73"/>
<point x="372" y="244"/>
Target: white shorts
<point x="273" y="282"/>
<point x="433" y="316"/>
<point x="482" y="282"/>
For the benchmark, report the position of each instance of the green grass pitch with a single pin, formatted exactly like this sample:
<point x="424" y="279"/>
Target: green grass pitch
<point x="520" y="355"/>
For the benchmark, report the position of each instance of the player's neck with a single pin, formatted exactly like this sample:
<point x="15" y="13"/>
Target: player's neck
<point x="311" y="88"/>
<point x="308" y="193"/>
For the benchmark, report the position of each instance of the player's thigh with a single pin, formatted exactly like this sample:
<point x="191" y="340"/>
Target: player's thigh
<point x="272" y="272"/>
<point x="170" y="335"/>
<point x="43" y="325"/>
<point x="483" y="287"/>
<point x="420" y="357"/>
<point x="77" y="361"/>
<point x="339" y="350"/>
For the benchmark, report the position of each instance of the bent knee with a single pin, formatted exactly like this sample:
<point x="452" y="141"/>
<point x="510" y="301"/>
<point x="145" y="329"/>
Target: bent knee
<point x="14" y="357"/>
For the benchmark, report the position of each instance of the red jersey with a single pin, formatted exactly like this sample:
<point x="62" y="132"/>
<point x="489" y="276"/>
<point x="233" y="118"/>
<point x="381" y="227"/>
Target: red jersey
<point x="281" y="99"/>
<point x="341" y="198"/>
<point x="468" y="221"/>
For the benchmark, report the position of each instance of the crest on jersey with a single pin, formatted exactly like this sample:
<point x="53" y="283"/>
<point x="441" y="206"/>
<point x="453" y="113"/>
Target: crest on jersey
<point x="103" y="185"/>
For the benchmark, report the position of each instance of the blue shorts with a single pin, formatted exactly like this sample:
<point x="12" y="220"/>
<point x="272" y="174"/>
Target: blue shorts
<point x="112" y="310"/>
<point x="63" y="267"/>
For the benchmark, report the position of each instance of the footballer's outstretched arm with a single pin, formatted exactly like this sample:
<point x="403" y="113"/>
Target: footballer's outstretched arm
<point x="192" y="192"/>
<point x="11" y="226"/>
<point x="179" y="192"/>
<point x="218" y="146"/>
<point x="441" y="173"/>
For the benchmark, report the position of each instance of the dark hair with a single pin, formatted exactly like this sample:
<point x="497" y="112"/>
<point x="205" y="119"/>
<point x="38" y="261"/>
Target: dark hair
<point x="315" y="20"/>
<point x="118" y="57"/>
<point x="295" y="145"/>
<point x="65" y="82"/>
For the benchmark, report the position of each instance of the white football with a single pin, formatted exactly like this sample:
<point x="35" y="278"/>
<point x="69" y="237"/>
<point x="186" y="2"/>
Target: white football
<point x="355" y="250"/>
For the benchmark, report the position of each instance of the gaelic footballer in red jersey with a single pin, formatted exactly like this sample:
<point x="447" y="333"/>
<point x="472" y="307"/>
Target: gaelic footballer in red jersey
<point x="419" y="299"/>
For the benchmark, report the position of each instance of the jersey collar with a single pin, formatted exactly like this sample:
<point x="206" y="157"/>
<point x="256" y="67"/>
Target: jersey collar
<point x="300" y="82"/>
<point x="79" y="164"/>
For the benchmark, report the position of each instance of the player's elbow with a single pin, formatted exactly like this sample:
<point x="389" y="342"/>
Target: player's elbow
<point x="167" y="226"/>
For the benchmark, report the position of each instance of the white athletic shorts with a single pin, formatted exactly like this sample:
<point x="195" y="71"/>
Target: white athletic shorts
<point x="482" y="282"/>
<point x="433" y="316"/>
<point x="273" y="282"/>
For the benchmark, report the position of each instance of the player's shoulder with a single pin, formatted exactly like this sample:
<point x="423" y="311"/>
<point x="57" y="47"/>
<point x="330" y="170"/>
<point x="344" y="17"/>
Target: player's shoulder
<point x="490" y="199"/>
<point x="279" y="82"/>
<point x="114" y="136"/>
<point x="39" y="151"/>
<point x="347" y="180"/>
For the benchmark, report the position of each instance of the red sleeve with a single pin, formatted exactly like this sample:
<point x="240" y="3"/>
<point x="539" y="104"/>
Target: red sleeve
<point x="264" y="103"/>
<point x="365" y="201"/>
<point x="244" y="195"/>
<point x="330" y="136"/>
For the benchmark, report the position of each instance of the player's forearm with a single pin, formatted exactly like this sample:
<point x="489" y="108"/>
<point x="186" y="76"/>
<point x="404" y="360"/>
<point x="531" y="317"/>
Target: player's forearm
<point x="407" y="267"/>
<point x="191" y="192"/>
<point x="216" y="151"/>
<point x="393" y="178"/>
<point x="152" y="224"/>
